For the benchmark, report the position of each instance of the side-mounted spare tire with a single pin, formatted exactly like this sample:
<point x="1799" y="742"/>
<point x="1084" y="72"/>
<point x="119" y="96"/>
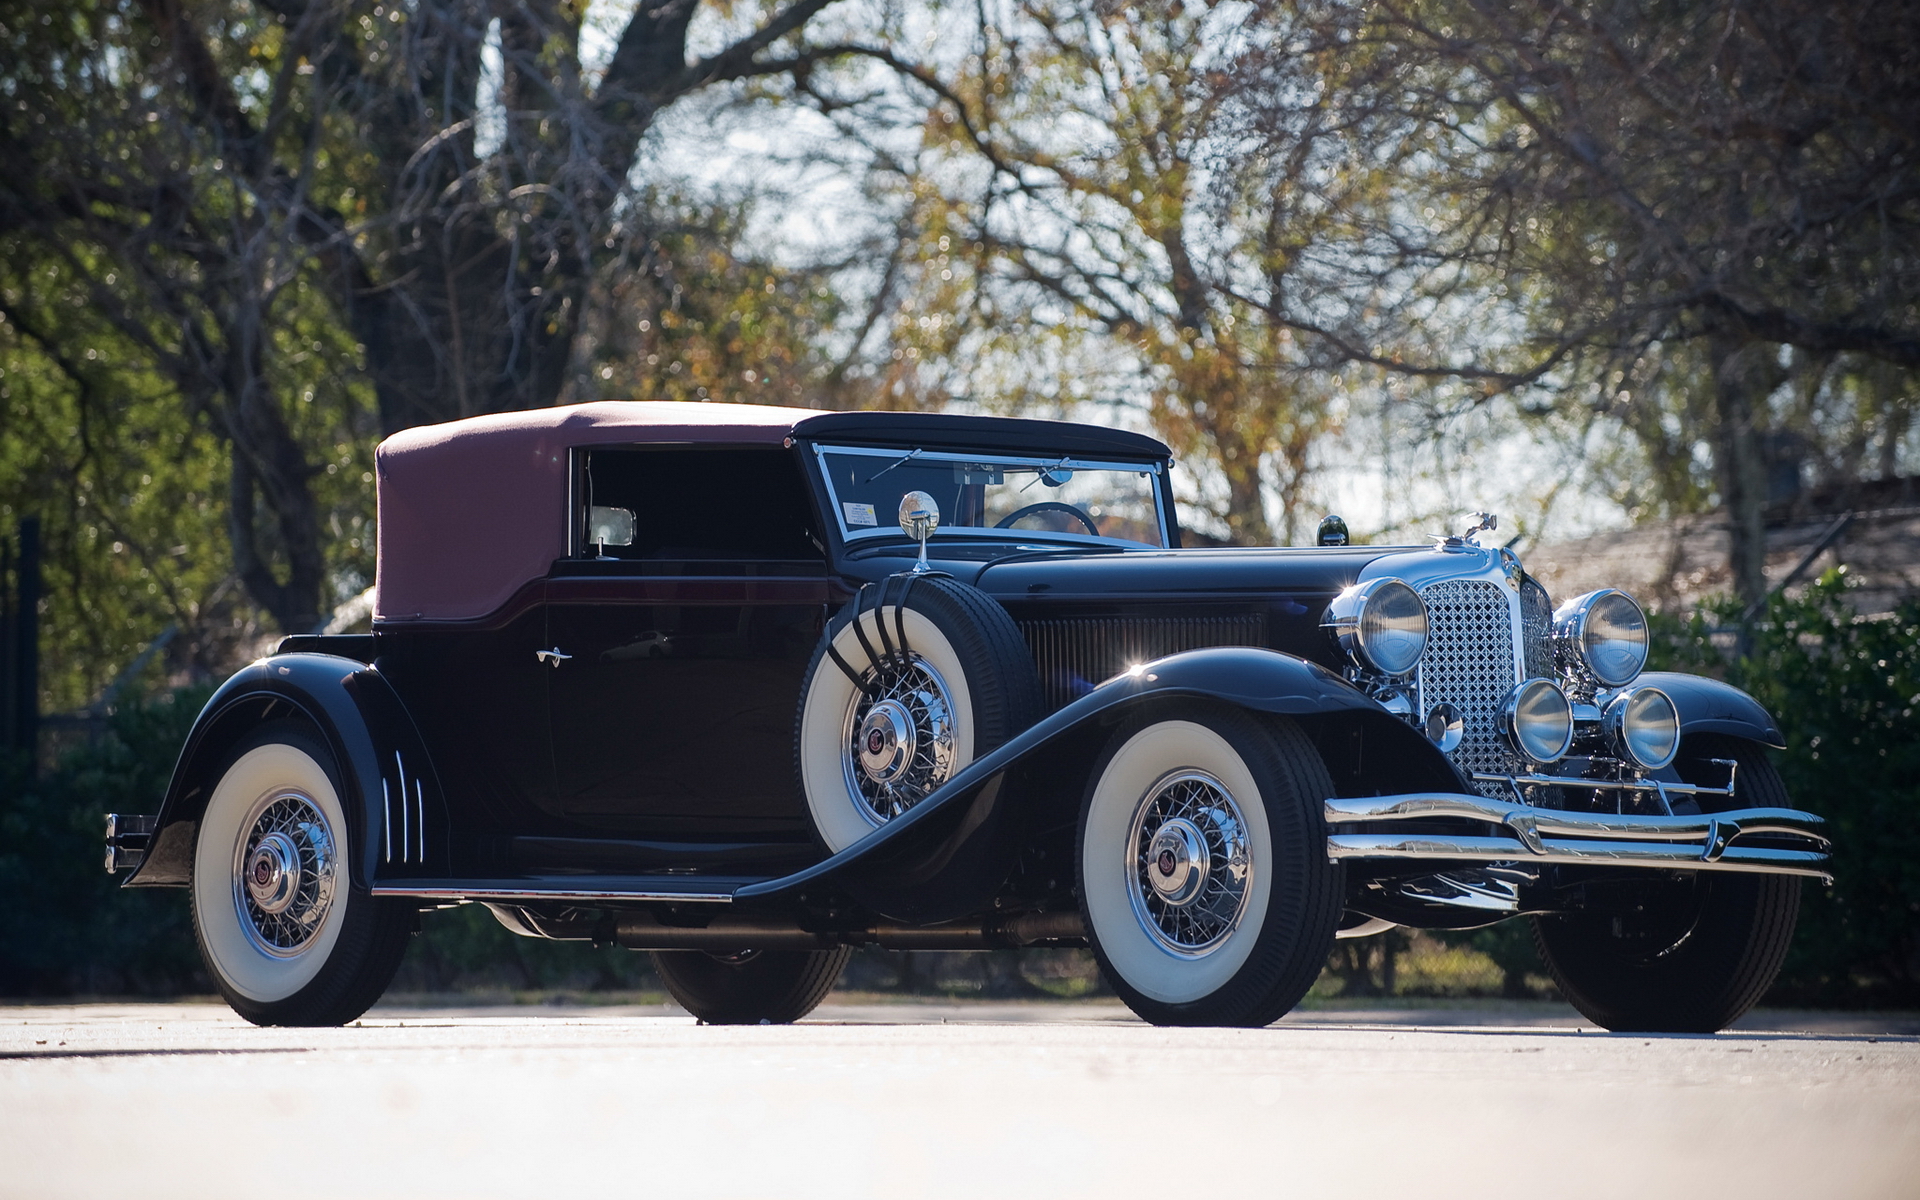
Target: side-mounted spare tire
<point x="915" y="678"/>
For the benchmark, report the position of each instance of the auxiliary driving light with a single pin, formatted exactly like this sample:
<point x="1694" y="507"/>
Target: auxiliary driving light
<point x="1645" y="726"/>
<point x="1537" y="720"/>
<point x="1381" y="624"/>
<point x="1602" y="635"/>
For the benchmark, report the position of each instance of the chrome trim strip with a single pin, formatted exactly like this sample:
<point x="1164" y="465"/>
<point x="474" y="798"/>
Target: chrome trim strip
<point x="1682" y="857"/>
<point x="386" y="812"/>
<point x="1606" y="785"/>
<point x="405" y="842"/>
<point x="456" y="893"/>
<point x="420" y="814"/>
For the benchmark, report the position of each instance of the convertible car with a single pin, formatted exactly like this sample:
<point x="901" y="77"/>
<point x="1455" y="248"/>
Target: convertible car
<point x="746" y="687"/>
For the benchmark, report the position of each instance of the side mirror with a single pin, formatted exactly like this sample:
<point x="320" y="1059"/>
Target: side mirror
<point x="919" y="517"/>
<point x="1333" y="531"/>
<point x="609" y="527"/>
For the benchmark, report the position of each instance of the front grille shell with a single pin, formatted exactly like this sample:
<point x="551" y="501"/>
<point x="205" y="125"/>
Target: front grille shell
<point x="1470" y="663"/>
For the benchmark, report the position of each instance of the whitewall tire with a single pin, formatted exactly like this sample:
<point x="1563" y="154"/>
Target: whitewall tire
<point x="285" y="936"/>
<point x="1203" y="870"/>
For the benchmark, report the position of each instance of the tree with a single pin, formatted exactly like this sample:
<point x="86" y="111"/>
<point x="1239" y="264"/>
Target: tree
<point x="1630" y="187"/>
<point x="1058" y="195"/>
<point x="248" y="195"/>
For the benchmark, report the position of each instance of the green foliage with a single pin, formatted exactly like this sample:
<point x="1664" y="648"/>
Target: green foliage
<point x="1844" y="690"/>
<point x="66" y="927"/>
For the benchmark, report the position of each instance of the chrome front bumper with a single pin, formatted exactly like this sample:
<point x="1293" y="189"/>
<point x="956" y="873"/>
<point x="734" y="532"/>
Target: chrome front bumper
<point x="1525" y="835"/>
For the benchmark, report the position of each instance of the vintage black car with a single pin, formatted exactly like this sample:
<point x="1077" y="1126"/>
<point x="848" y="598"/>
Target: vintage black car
<point x="747" y="687"/>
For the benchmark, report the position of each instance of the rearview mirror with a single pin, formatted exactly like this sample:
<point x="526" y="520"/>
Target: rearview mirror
<point x="609" y="526"/>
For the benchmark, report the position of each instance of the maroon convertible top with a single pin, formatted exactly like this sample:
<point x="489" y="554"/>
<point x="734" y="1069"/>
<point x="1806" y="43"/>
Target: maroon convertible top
<point x="471" y="510"/>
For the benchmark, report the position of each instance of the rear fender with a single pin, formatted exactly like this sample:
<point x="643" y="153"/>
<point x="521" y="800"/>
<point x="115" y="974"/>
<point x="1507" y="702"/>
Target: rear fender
<point x="942" y="858"/>
<point x="396" y="811"/>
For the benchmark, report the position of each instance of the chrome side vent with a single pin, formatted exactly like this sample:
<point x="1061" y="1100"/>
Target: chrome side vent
<point x="1471" y="663"/>
<point x="412" y="807"/>
<point x="1536" y="628"/>
<point x="1077" y="654"/>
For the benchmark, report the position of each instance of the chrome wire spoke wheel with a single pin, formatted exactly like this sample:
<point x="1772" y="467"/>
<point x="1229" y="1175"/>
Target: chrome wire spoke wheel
<point x="1188" y="857"/>
<point x="899" y="740"/>
<point x="285" y="872"/>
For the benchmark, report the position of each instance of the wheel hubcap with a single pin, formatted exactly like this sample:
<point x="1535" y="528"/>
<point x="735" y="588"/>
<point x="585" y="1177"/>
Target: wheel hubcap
<point x="900" y="741"/>
<point x="273" y="873"/>
<point x="887" y="741"/>
<point x="1180" y="858"/>
<point x="1190" y="862"/>
<point x="285" y="873"/>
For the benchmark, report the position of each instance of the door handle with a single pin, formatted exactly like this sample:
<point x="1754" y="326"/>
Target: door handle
<point x="553" y="657"/>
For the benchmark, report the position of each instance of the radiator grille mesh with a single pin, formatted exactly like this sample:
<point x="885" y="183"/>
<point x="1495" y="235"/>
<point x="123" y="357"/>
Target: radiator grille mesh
<point x="1470" y="663"/>
<point x="1076" y="654"/>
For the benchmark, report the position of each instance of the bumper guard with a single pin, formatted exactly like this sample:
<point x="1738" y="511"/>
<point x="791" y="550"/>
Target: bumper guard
<point x="128" y="836"/>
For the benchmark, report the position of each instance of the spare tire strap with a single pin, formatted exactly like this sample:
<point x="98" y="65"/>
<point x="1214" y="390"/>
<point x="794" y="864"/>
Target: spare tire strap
<point x="859" y="629"/>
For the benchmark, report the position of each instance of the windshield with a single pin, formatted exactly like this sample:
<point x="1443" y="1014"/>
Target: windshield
<point x="1066" y="497"/>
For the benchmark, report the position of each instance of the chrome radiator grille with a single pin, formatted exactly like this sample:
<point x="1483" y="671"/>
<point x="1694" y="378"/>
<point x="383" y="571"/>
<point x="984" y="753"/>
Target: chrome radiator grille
<point x="1076" y="654"/>
<point x="1470" y="663"/>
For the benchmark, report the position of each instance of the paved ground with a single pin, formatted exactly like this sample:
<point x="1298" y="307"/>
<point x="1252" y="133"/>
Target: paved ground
<point x="917" y="1100"/>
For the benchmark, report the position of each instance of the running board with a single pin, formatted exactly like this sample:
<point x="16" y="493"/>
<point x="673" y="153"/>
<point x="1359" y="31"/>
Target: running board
<point x="1528" y="835"/>
<point x="584" y="889"/>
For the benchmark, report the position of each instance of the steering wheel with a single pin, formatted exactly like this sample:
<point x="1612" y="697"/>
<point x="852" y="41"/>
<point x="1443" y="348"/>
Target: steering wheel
<point x="1058" y="506"/>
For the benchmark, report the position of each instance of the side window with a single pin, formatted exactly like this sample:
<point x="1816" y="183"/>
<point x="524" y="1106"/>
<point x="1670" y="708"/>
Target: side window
<point x="691" y="502"/>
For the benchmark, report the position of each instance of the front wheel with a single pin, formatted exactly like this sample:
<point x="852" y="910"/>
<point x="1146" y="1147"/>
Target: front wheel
<point x="283" y="933"/>
<point x="775" y="987"/>
<point x="1204" y="878"/>
<point x="1687" y="955"/>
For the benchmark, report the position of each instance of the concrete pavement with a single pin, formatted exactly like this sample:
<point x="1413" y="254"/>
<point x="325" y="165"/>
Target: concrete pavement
<point x="936" y="1100"/>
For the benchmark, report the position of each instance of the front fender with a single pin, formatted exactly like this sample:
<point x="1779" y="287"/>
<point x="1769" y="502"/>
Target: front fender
<point x="1710" y="706"/>
<point x="917" y="855"/>
<point x="396" y="811"/>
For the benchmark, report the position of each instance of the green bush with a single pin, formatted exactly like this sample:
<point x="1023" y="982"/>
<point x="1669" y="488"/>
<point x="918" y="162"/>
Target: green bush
<point x="66" y="927"/>
<point x="1844" y="690"/>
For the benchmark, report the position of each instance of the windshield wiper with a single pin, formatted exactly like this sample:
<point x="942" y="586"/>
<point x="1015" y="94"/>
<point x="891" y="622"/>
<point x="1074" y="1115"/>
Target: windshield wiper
<point x="907" y="457"/>
<point x="1046" y="471"/>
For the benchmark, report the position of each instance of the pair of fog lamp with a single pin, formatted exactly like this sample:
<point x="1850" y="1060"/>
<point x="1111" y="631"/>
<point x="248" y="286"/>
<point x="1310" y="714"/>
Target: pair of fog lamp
<point x="1599" y="642"/>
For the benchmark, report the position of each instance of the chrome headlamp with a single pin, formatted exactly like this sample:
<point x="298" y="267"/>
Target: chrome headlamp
<point x="1601" y="636"/>
<point x="1645" y="726"/>
<point x="1537" y="719"/>
<point x="1381" y="624"/>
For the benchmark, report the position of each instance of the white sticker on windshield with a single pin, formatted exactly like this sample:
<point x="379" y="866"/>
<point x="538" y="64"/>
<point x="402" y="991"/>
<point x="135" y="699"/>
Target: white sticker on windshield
<point x="860" y="514"/>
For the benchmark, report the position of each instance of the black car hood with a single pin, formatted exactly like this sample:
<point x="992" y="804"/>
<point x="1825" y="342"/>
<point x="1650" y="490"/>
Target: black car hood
<point x="1182" y="573"/>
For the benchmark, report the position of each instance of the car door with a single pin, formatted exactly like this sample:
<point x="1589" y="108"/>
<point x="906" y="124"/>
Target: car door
<point x="672" y="714"/>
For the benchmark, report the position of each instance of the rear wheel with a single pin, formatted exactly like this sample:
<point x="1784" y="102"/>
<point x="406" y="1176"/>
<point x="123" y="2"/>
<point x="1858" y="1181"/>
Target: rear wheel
<point x="772" y="986"/>
<point x="284" y="934"/>
<point x="1204" y="878"/>
<point x="1687" y="955"/>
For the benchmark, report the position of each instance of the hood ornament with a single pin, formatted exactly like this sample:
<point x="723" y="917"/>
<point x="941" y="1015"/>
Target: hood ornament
<point x="1461" y="542"/>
